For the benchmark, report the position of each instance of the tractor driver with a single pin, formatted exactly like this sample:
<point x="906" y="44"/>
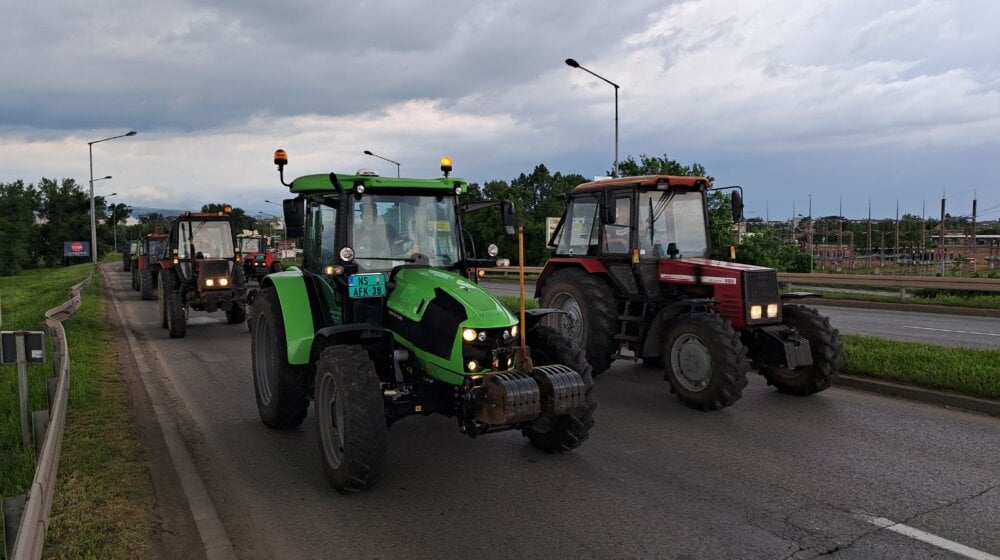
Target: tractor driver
<point x="370" y="234"/>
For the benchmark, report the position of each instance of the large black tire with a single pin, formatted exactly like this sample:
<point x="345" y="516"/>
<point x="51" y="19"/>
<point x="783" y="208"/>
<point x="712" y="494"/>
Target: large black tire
<point x="705" y="361"/>
<point x="166" y="286"/>
<point x="281" y="388"/>
<point x="827" y="354"/>
<point x="135" y="279"/>
<point x="146" y="283"/>
<point x="353" y="434"/>
<point x="590" y="313"/>
<point x="236" y="313"/>
<point x="176" y="314"/>
<point x="568" y="431"/>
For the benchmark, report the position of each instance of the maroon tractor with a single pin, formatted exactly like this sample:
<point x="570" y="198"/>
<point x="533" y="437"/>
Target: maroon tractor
<point x="201" y="270"/>
<point x="258" y="256"/>
<point x="146" y="264"/>
<point x="632" y="276"/>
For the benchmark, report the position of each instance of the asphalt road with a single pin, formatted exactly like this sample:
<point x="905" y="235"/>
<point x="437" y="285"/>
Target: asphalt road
<point x="771" y="477"/>
<point x="907" y="326"/>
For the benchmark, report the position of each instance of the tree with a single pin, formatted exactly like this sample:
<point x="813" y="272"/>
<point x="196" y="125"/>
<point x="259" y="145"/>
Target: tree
<point x="657" y="165"/>
<point x="66" y="207"/>
<point x="766" y="248"/>
<point x="17" y="227"/>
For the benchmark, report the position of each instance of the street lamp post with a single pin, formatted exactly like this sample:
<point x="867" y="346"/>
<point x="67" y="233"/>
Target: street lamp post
<point x="114" y="215"/>
<point x="575" y="64"/>
<point x="93" y="213"/>
<point x="369" y="153"/>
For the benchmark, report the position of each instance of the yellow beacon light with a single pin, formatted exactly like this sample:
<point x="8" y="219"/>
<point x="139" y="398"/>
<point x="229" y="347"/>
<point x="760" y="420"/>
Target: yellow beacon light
<point x="446" y="165"/>
<point x="280" y="157"/>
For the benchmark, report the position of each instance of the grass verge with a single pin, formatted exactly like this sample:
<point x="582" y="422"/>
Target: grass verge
<point x="104" y="505"/>
<point x="969" y="371"/>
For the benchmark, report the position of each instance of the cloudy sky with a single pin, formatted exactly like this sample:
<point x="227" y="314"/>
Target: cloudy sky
<point x="841" y="100"/>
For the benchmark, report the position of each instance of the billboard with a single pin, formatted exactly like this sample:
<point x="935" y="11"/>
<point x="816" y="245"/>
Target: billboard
<point x="76" y="248"/>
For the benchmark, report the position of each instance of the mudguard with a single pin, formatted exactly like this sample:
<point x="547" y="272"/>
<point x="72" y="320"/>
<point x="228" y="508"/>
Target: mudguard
<point x="296" y="311"/>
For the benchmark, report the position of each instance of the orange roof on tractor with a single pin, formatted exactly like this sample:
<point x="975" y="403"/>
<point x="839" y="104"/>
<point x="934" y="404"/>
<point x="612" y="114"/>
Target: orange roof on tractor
<point x="358" y="182"/>
<point x="661" y="182"/>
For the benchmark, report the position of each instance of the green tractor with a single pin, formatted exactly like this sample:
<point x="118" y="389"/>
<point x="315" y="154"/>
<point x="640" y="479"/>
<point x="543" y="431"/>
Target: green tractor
<point x="383" y="321"/>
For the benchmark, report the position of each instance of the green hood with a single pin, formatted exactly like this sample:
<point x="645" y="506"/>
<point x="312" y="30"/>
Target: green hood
<point x="415" y="289"/>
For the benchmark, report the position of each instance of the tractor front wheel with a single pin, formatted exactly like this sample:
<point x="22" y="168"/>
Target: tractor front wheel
<point x="281" y="388"/>
<point x="176" y="320"/>
<point x="705" y="360"/>
<point x="236" y="313"/>
<point x="827" y="354"/>
<point x="568" y="431"/>
<point x="589" y="313"/>
<point x="166" y="286"/>
<point x="146" y="283"/>
<point x="353" y="434"/>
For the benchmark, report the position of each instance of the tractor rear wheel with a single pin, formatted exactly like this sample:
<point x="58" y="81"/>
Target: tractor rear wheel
<point x="827" y="354"/>
<point x="705" y="361"/>
<point x="176" y="320"/>
<point x="135" y="279"/>
<point x="589" y="316"/>
<point x="568" y="431"/>
<point x="146" y="283"/>
<point x="281" y="388"/>
<point x="353" y="434"/>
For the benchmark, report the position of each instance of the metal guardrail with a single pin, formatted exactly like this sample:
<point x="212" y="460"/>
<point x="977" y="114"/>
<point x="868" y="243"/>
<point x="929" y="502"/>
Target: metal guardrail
<point x="30" y="540"/>
<point x="934" y="282"/>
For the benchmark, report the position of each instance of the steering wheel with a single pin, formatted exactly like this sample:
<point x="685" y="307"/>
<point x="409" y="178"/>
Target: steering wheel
<point x="401" y="246"/>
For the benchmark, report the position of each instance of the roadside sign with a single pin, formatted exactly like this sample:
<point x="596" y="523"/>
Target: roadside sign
<point x="34" y="347"/>
<point x="76" y="248"/>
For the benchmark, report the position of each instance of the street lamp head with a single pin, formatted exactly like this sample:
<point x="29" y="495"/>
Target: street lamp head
<point x="572" y="63"/>
<point x="368" y="153"/>
<point x="131" y="133"/>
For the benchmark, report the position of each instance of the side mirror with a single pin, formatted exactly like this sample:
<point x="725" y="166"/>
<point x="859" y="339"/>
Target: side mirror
<point x="295" y="216"/>
<point x="508" y="215"/>
<point x="737" y="203"/>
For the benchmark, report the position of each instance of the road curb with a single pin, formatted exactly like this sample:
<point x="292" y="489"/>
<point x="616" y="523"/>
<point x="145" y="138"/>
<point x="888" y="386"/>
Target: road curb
<point x="908" y="307"/>
<point x="920" y="394"/>
<point x="212" y="532"/>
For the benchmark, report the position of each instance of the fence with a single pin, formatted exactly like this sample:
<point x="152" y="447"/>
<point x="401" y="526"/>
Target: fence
<point x="37" y="503"/>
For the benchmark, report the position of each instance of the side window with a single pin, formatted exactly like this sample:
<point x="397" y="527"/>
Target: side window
<point x="616" y="235"/>
<point x="320" y="241"/>
<point x="578" y="235"/>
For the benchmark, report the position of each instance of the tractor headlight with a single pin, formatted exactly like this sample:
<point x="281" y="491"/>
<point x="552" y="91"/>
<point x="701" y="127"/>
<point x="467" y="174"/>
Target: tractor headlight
<point x="472" y="365"/>
<point x="492" y="250"/>
<point x="755" y="312"/>
<point x="210" y="282"/>
<point x="772" y="310"/>
<point x="470" y="335"/>
<point x="223" y="281"/>
<point x="513" y="331"/>
<point x="347" y="254"/>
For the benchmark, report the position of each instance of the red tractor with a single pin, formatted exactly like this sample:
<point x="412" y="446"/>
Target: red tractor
<point x="201" y="270"/>
<point x="146" y="264"/>
<point x="632" y="276"/>
<point x="258" y="256"/>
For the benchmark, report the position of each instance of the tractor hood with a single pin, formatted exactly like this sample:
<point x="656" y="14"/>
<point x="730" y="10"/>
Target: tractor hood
<point x="418" y="290"/>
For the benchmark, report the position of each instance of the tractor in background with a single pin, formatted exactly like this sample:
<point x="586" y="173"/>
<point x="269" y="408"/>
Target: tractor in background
<point x="201" y="270"/>
<point x="258" y="256"/>
<point x="146" y="264"/>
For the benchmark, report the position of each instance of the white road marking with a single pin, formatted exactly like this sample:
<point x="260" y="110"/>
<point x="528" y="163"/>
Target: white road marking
<point x="949" y="330"/>
<point x="923" y="536"/>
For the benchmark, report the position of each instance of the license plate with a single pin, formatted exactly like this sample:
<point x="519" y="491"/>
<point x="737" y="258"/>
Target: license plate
<point x="366" y="285"/>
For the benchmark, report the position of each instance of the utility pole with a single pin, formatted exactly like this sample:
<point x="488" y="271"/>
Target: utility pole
<point x="974" y="231"/>
<point x="811" y="246"/>
<point x="940" y="250"/>
<point x="895" y="246"/>
<point x="869" y="250"/>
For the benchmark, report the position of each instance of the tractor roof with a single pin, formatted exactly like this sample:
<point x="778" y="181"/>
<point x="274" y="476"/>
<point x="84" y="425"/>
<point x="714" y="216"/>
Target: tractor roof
<point x="321" y="183"/>
<point x="156" y="236"/>
<point x="205" y="216"/>
<point x="645" y="181"/>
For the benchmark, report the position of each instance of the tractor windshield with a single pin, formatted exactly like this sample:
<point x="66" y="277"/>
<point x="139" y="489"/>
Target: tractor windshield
<point x="250" y="245"/>
<point x="207" y="240"/>
<point x="156" y="248"/>
<point x="386" y="228"/>
<point x="673" y="216"/>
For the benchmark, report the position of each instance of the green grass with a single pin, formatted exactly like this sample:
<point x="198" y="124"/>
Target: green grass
<point x="104" y="505"/>
<point x="974" y="372"/>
